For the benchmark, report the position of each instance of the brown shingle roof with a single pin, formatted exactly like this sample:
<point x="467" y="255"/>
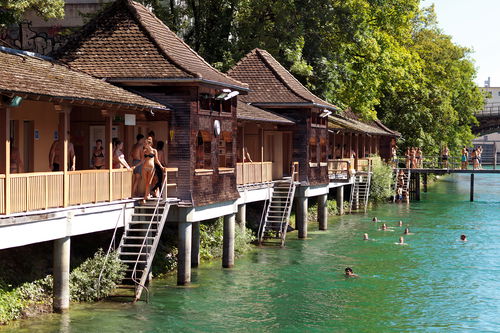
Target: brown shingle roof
<point x="127" y="41"/>
<point x="336" y="121"/>
<point x="271" y="83"/>
<point x="249" y="112"/>
<point x="24" y="73"/>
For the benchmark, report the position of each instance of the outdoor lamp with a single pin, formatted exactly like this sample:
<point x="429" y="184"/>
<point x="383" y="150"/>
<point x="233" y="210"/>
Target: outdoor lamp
<point x="325" y="113"/>
<point x="14" y="101"/>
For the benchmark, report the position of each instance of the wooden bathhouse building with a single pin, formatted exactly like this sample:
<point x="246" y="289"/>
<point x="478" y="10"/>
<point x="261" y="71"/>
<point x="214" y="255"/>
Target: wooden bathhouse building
<point x="229" y="138"/>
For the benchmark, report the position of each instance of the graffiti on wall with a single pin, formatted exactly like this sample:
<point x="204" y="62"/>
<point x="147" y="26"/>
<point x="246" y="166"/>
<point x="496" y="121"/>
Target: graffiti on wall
<point x="42" y="41"/>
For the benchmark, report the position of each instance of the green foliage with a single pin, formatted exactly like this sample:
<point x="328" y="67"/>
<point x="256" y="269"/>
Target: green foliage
<point x="381" y="182"/>
<point x="331" y="205"/>
<point x="384" y="59"/>
<point x="211" y="239"/>
<point x="83" y="279"/>
<point x="11" y="11"/>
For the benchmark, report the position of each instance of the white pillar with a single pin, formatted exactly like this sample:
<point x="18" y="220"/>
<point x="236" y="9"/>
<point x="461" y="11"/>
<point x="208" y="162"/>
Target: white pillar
<point x="241" y="216"/>
<point x="184" y="255"/>
<point x="62" y="250"/>
<point x="301" y="217"/>
<point x="323" y="212"/>
<point x="228" y="241"/>
<point x="340" y="199"/>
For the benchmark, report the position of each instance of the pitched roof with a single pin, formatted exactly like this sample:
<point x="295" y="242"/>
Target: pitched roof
<point x="26" y="74"/>
<point x="271" y="83"/>
<point x="355" y="125"/>
<point x="248" y="112"/>
<point x="126" y="41"/>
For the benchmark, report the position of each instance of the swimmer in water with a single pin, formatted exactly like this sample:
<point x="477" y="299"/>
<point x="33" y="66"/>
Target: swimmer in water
<point x="463" y="238"/>
<point x="401" y="241"/>
<point x="400" y="223"/>
<point x="349" y="272"/>
<point x="384" y="227"/>
<point x="375" y="219"/>
<point x="407" y="231"/>
<point x="365" y="237"/>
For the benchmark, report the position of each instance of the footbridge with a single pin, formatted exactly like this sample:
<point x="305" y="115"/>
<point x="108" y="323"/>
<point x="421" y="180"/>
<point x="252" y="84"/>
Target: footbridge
<point x="489" y="120"/>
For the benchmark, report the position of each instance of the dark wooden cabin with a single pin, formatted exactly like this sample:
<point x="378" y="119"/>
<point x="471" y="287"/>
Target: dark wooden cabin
<point x="273" y="88"/>
<point x="130" y="47"/>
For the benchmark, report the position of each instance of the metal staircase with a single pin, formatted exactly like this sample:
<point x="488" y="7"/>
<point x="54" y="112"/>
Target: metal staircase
<point x="140" y="241"/>
<point x="274" y="223"/>
<point x="360" y="191"/>
<point x="405" y="182"/>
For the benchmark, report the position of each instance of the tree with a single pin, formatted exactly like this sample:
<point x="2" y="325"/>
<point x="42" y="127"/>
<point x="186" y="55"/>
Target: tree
<point x="11" y="11"/>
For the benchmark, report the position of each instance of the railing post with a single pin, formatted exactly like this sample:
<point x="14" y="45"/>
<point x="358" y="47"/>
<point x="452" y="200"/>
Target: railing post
<point x="63" y="129"/>
<point x="5" y="151"/>
<point x="109" y="143"/>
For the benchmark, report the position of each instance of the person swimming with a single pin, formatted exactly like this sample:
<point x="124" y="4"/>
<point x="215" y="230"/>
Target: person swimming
<point x="384" y="227"/>
<point x="375" y="219"/>
<point x="463" y="238"/>
<point x="349" y="272"/>
<point x="365" y="237"/>
<point x="407" y="231"/>
<point x="401" y="241"/>
<point x="400" y="223"/>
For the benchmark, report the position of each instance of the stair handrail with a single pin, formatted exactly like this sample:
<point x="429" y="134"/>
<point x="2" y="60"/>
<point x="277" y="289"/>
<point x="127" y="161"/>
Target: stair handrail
<point x="260" y="232"/>
<point x="134" y="270"/>
<point x="98" y="284"/>
<point x="285" y="211"/>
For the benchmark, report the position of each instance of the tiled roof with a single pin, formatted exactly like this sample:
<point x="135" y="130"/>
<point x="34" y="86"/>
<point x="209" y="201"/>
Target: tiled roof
<point x="24" y="73"/>
<point x="248" y="112"/>
<point x="270" y="83"/>
<point x="127" y="41"/>
<point x="375" y="126"/>
<point x="355" y="125"/>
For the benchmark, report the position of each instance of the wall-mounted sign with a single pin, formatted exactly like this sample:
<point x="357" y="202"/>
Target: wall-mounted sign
<point x="130" y="120"/>
<point x="37" y="135"/>
<point x="216" y="127"/>
<point x="56" y="135"/>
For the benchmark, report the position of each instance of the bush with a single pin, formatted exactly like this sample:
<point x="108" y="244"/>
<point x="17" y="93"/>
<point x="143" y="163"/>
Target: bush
<point x="381" y="182"/>
<point x="331" y="205"/>
<point x="83" y="279"/>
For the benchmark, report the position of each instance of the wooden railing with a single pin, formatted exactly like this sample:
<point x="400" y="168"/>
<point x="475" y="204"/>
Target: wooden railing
<point x="2" y="194"/>
<point x="37" y="190"/>
<point x="364" y="164"/>
<point x="339" y="169"/>
<point x="254" y="172"/>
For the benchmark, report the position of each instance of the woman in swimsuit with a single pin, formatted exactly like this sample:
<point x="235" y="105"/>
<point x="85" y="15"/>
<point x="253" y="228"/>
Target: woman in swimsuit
<point x="465" y="156"/>
<point x="444" y="156"/>
<point x="418" y="157"/>
<point x="475" y="159"/>
<point x="149" y="158"/>
<point x="98" y="160"/>
<point x="119" y="161"/>
<point x="408" y="158"/>
<point x="158" y="170"/>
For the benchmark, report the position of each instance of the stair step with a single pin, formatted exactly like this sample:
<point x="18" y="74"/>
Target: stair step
<point x="136" y="245"/>
<point x="134" y="261"/>
<point x="141" y="229"/>
<point x="145" y="215"/>
<point x="133" y="254"/>
<point x="138" y="237"/>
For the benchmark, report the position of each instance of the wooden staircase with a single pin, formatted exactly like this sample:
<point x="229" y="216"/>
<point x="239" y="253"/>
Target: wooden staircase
<point x="276" y="219"/>
<point x="139" y="243"/>
<point x="360" y="191"/>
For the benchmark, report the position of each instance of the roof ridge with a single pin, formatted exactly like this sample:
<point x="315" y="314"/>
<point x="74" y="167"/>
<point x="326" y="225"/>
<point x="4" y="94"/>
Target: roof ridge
<point x="271" y="67"/>
<point x="132" y="4"/>
<point x="293" y="77"/>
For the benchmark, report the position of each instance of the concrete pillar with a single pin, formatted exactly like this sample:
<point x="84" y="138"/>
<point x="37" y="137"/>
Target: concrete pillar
<point x="241" y="216"/>
<point x="471" y="187"/>
<point x="340" y="199"/>
<point x="322" y="212"/>
<point x="184" y="256"/>
<point x="301" y="217"/>
<point x="425" y="182"/>
<point x="228" y="241"/>
<point x="195" y="245"/>
<point x="62" y="250"/>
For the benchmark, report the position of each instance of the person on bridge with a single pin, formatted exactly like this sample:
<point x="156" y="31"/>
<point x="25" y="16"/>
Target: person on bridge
<point x="465" y="158"/>
<point x="418" y="158"/>
<point x="408" y="158"/>
<point x="475" y="159"/>
<point x="445" y="153"/>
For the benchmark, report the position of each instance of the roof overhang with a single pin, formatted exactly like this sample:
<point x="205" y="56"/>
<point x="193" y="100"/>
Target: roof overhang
<point x="295" y="105"/>
<point x="82" y="101"/>
<point x="176" y="80"/>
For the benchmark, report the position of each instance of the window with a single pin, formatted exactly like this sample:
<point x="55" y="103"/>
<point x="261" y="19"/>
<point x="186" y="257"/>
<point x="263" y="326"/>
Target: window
<point x="313" y="150"/>
<point x="226" y="158"/>
<point x="316" y="120"/>
<point x="226" y="106"/>
<point x="322" y="147"/>
<point x="203" y="150"/>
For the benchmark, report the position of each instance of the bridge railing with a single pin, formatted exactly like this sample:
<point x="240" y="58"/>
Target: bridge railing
<point x="434" y="162"/>
<point x="489" y="110"/>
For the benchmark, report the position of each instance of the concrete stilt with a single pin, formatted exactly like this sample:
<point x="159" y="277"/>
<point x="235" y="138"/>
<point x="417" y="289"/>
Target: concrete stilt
<point x="184" y="255"/>
<point x="340" y="199"/>
<point x="228" y="241"/>
<point x="301" y="217"/>
<point x="425" y="183"/>
<point x="195" y="245"/>
<point x="241" y="217"/>
<point x="322" y="212"/>
<point x="62" y="250"/>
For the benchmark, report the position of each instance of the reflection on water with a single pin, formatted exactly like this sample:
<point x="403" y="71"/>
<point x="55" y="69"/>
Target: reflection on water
<point x="434" y="283"/>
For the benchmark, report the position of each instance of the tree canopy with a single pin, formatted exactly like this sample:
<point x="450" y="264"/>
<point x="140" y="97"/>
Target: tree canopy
<point x="384" y="59"/>
<point x="11" y="11"/>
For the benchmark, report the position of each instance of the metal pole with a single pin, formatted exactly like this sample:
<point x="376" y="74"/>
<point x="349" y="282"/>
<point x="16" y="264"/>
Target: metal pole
<point x="471" y="187"/>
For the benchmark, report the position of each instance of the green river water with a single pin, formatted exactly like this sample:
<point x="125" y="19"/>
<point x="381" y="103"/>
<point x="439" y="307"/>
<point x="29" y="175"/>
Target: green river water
<point x="435" y="283"/>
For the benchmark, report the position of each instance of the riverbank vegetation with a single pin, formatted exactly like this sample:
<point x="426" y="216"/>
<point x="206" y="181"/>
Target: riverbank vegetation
<point x="381" y="182"/>
<point x="35" y="297"/>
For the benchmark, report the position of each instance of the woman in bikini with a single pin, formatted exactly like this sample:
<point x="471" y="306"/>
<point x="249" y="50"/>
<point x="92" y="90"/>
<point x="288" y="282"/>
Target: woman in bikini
<point x="408" y="158"/>
<point x="119" y="161"/>
<point x="98" y="159"/>
<point x="465" y="157"/>
<point x="149" y="158"/>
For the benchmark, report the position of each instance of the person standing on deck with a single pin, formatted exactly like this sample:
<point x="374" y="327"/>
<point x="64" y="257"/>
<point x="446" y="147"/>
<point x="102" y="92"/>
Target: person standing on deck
<point x="119" y="161"/>
<point x="445" y="153"/>
<point x="56" y="157"/>
<point x="418" y="157"/>
<point x="136" y="157"/>
<point x="98" y="160"/>
<point x="408" y="158"/>
<point x="394" y="154"/>
<point x="149" y="159"/>
<point x="464" y="158"/>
